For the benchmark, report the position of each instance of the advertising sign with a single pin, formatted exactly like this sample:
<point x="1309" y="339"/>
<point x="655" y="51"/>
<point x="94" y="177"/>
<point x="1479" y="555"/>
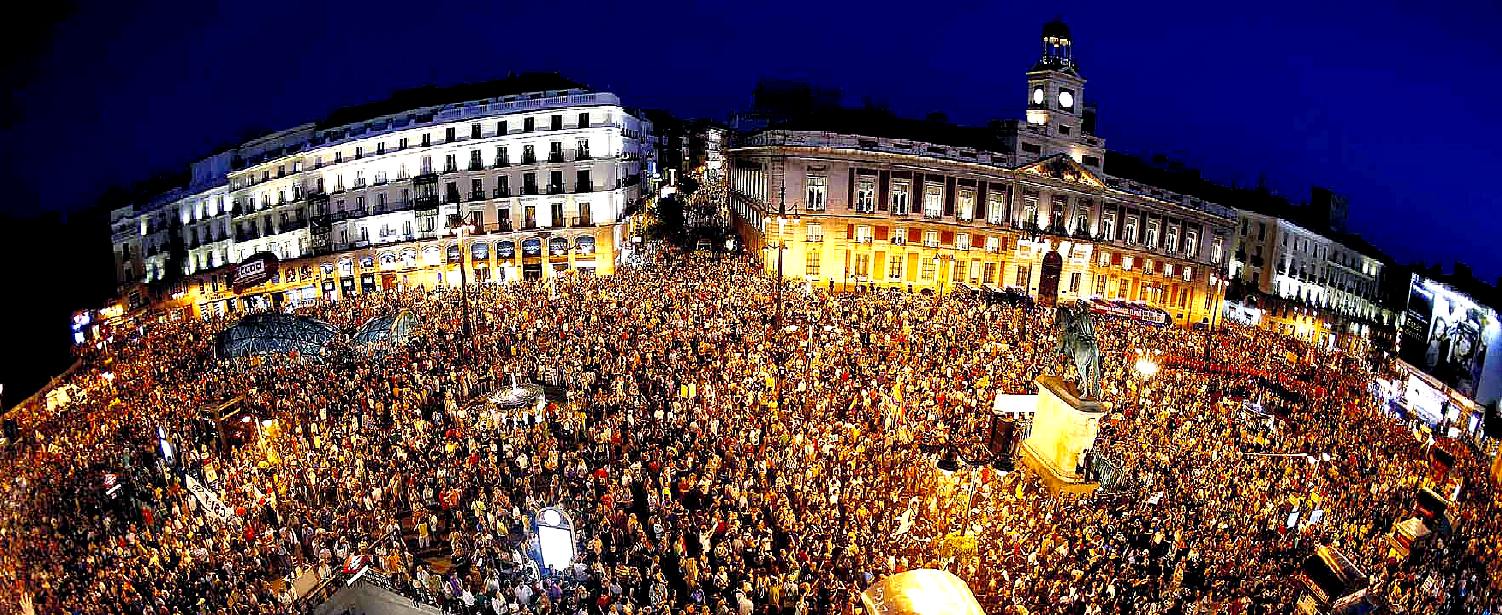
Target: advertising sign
<point x="1449" y="336"/>
<point x="254" y="270"/>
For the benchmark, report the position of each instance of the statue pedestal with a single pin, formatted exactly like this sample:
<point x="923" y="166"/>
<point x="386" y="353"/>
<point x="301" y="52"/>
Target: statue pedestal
<point x="1064" y="426"/>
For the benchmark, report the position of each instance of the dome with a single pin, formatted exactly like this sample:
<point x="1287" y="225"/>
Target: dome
<point x="272" y="333"/>
<point x="396" y="329"/>
<point x="1056" y="29"/>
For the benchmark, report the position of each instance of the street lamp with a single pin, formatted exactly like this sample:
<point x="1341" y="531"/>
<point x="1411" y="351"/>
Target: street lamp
<point x="1146" y="367"/>
<point x="1217" y="297"/>
<point x="457" y="224"/>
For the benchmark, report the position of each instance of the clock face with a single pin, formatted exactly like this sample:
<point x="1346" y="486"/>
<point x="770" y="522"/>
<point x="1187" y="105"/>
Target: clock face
<point x="1066" y="100"/>
<point x="1038" y="96"/>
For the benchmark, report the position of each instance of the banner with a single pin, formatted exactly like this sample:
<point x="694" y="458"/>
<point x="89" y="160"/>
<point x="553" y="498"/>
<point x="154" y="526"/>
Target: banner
<point x="210" y="502"/>
<point x="255" y="270"/>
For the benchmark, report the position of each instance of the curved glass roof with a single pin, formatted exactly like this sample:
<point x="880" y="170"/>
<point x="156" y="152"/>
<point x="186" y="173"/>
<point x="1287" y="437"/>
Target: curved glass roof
<point x="272" y="333"/>
<point x="396" y="329"/>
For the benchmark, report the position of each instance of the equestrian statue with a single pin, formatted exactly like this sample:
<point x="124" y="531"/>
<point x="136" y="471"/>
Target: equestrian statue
<point x="1076" y="334"/>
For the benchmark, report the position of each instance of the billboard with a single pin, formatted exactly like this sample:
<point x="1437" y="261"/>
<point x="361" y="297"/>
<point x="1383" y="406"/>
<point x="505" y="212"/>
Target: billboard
<point x="1449" y="336"/>
<point x="256" y="269"/>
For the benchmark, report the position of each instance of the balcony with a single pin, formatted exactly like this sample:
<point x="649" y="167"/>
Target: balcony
<point x="557" y="223"/>
<point x="555" y="157"/>
<point x="425" y="202"/>
<point x="450" y="168"/>
<point x="500" y="193"/>
<point x="504" y="226"/>
<point x="583" y="221"/>
<point x="529" y="225"/>
<point x="581" y="188"/>
<point x="529" y="190"/>
<point x="584" y="155"/>
<point x="555" y="189"/>
<point x="242" y="235"/>
<point x="477" y="195"/>
<point x="475" y="165"/>
<point x="529" y="159"/>
<point x="501" y="164"/>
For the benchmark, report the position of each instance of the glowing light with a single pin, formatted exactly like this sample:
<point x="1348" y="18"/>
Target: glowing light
<point x="1146" y="367"/>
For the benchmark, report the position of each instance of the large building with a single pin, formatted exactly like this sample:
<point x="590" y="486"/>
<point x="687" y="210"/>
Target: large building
<point x="849" y="200"/>
<point x="541" y="171"/>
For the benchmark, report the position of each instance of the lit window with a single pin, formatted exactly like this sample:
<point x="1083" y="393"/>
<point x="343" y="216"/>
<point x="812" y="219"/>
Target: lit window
<point x="817" y="193"/>
<point x="865" y="195"/>
<point x="965" y="209"/>
<point x="933" y="201"/>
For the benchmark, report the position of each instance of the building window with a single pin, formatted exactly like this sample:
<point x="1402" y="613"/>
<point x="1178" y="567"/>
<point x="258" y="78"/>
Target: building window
<point x="1129" y="230"/>
<point x="865" y="195"/>
<point x="812" y="266"/>
<point x="1074" y="282"/>
<point x="901" y="196"/>
<point x="529" y="124"/>
<point x="448" y="134"/>
<point x="993" y="244"/>
<point x="817" y="192"/>
<point x="962" y="241"/>
<point x="1171" y="243"/>
<point x="930" y="267"/>
<point x="450" y="163"/>
<point x="1030" y="209"/>
<point x="474" y="130"/>
<point x="966" y="204"/>
<point x="989" y="277"/>
<point x="933" y="201"/>
<point x="815" y="231"/>
<point x="1081" y="217"/>
<point x="899" y="236"/>
<point x="863" y="234"/>
<point x="1217" y="247"/>
<point x="584" y="120"/>
<point x="996" y="211"/>
<point x="1152" y="234"/>
<point x="1100" y="286"/>
<point x="1108" y="225"/>
<point x="894" y="267"/>
<point x="1126" y="262"/>
<point x="500" y="127"/>
<point x="1024" y="277"/>
<point x="931" y="239"/>
<point x="1192" y="243"/>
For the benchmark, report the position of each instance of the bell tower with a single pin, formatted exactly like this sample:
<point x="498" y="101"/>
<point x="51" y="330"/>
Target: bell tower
<point x="1058" y="121"/>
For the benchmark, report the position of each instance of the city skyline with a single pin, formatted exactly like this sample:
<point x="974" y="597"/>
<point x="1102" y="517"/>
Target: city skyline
<point x="1310" y="136"/>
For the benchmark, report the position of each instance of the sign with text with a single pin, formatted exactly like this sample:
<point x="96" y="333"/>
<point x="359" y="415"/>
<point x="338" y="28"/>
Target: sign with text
<point x="255" y="270"/>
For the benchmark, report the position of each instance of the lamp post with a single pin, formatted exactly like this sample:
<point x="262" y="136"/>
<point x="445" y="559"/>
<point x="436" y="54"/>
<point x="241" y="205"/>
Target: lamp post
<point x="1217" y="296"/>
<point x="459" y="226"/>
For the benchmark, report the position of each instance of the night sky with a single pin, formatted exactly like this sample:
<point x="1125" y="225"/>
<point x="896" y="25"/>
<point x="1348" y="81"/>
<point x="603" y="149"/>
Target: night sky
<point x="1383" y="103"/>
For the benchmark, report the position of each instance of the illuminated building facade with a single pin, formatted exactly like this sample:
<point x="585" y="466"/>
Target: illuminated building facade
<point x="362" y="201"/>
<point x="976" y="207"/>
<point x="1322" y="289"/>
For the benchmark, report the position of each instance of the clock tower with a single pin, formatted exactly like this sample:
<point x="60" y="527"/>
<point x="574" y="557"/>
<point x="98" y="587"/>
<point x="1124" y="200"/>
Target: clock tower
<point x="1057" y="120"/>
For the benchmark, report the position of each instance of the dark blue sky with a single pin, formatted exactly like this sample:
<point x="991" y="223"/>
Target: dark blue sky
<point x="1384" y="102"/>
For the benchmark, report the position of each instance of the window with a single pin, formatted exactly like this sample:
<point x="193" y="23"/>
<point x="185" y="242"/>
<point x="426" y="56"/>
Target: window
<point x="448" y="134"/>
<point x="555" y="151"/>
<point x="933" y="201"/>
<point x="381" y="147"/>
<point x="1216" y="248"/>
<point x="529" y="154"/>
<point x="815" y="231"/>
<point x="1030" y="209"/>
<point x="584" y="120"/>
<point x="865" y="195"/>
<point x="1126" y="262"/>
<point x="359" y="152"/>
<point x="901" y="196"/>
<point x="812" y="266"/>
<point x="863" y="234"/>
<point x="1100" y="285"/>
<point x="817" y="192"/>
<point x="993" y="244"/>
<point x="581" y="149"/>
<point x="1152" y="234"/>
<point x="930" y="267"/>
<point x="1024" y="276"/>
<point x="474" y="130"/>
<point x="557" y="121"/>
<point x="1171" y="243"/>
<point x="1074" y="282"/>
<point x="450" y="164"/>
<point x="1081" y="217"/>
<point x="529" y="124"/>
<point x="1188" y="273"/>
<point x="1108" y="225"/>
<point x="931" y="239"/>
<point x="1063" y="129"/>
<point x="500" y="127"/>
<point x="427" y="139"/>
<point x="966" y="204"/>
<point x="1129" y="230"/>
<point x="894" y="267"/>
<point x="1090" y="161"/>
<point x="962" y="241"/>
<point x="475" y="163"/>
<point x="401" y="143"/>
<point x="502" y="158"/>
<point x="582" y="182"/>
<point x="996" y="211"/>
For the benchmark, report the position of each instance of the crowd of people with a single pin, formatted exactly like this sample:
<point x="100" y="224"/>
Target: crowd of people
<point x="716" y="454"/>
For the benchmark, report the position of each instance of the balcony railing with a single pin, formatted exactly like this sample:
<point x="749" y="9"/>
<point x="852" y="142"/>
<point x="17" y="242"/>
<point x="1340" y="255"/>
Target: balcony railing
<point x="426" y="202"/>
<point x="584" y="187"/>
<point x="475" y="165"/>
<point x="529" y="190"/>
<point x="529" y="225"/>
<point x="500" y="193"/>
<point x="583" y="221"/>
<point x="555" y="189"/>
<point x="529" y="159"/>
<point x="477" y="195"/>
<point x="555" y="157"/>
